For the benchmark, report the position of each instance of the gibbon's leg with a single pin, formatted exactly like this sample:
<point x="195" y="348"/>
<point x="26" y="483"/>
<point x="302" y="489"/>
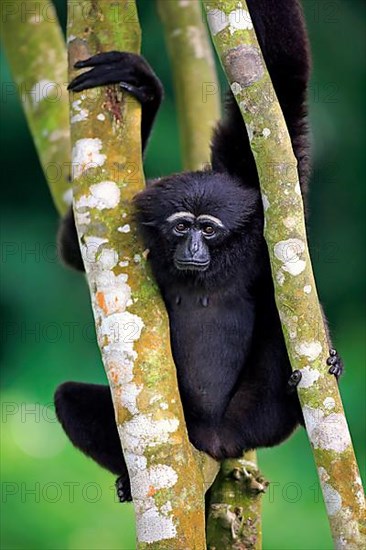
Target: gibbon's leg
<point x="86" y="414"/>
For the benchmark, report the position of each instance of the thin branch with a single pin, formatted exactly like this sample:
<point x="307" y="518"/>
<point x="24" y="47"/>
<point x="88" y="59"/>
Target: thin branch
<point x="196" y="87"/>
<point x="36" y="52"/>
<point x="295" y="288"/>
<point x="130" y="318"/>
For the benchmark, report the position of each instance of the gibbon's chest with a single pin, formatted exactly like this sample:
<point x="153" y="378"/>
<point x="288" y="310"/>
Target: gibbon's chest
<point x="205" y="323"/>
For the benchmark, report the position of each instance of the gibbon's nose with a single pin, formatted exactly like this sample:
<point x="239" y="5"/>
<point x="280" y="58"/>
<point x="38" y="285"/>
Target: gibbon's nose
<point x="194" y="243"/>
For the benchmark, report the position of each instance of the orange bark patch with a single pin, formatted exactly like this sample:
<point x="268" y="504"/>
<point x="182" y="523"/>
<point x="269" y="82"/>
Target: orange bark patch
<point x="152" y="491"/>
<point x="101" y="301"/>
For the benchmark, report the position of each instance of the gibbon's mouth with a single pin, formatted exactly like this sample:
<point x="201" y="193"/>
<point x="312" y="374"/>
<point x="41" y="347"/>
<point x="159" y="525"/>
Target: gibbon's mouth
<point x="192" y="266"/>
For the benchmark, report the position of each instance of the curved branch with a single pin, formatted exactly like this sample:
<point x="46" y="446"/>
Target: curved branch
<point x="30" y="30"/>
<point x="295" y="287"/>
<point x="196" y="87"/>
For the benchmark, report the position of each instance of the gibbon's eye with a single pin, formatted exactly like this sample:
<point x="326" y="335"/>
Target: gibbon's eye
<point x="181" y="227"/>
<point x="209" y="230"/>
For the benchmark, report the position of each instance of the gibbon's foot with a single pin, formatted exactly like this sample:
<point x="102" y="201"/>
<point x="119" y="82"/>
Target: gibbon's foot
<point x="129" y="70"/>
<point x="293" y="381"/>
<point x="123" y="488"/>
<point x="335" y="363"/>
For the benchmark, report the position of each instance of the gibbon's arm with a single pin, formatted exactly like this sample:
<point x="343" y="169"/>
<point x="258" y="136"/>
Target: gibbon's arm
<point x="282" y="36"/>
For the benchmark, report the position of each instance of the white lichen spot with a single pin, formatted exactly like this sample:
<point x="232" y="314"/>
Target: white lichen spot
<point x="124" y="263"/>
<point x="298" y="188"/>
<point x="108" y="258"/>
<point x="135" y="462"/>
<point x="80" y="117"/>
<point x="164" y="406"/>
<point x="289" y="222"/>
<point x="217" y="21"/>
<point x="332" y="499"/>
<point x="124" y="228"/>
<point x="142" y="430"/>
<point x="266" y="132"/>
<point x="329" y="432"/>
<point x="292" y="334"/>
<point x="265" y="202"/>
<point x="240" y="20"/>
<point x="124" y="215"/>
<point x="153" y="526"/>
<point x="329" y="403"/>
<point x="289" y="252"/>
<point x="82" y="218"/>
<point x="76" y="105"/>
<point x="129" y="397"/>
<point x="309" y="376"/>
<point x="70" y="38"/>
<point x="311" y="350"/>
<point x="86" y="154"/>
<point x="81" y="114"/>
<point x="41" y="90"/>
<point x="105" y="194"/>
<point x="307" y="289"/>
<point x="67" y="196"/>
<point x="166" y="508"/>
<point x="90" y="248"/>
<point x="117" y="333"/>
<point x="154" y="478"/>
<point x="236" y="88"/>
<point x="184" y="3"/>
<point x="101" y="117"/>
<point x="280" y="278"/>
<point x="137" y="258"/>
<point x="323" y="474"/>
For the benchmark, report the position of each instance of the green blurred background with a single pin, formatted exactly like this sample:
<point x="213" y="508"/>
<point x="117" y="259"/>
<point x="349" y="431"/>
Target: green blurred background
<point x="53" y="497"/>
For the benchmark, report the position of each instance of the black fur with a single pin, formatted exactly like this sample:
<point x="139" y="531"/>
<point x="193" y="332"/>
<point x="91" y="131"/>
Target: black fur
<point x="227" y="341"/>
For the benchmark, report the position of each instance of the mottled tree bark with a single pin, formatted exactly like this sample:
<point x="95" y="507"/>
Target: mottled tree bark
<point x="295" y="288"/>
<point x="36" y="52"/>
<point x="234" y="504"/>
<point x="130" y="318"/>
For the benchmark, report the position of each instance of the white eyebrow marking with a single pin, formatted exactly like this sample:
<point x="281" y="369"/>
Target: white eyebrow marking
<point x="178" y="215"/>
<point x="207" y="217"/>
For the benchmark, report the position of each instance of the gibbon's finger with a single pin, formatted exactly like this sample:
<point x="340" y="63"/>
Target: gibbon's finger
<point x="94" y="77"/>
<point x="101" y="59"/>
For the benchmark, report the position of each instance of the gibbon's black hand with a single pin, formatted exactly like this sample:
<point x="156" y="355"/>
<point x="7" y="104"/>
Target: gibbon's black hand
<point x="129" y="70"/>
<point x="132" y="73"/>
<point x="335" y="363"/>
<point x="336" y="368"/>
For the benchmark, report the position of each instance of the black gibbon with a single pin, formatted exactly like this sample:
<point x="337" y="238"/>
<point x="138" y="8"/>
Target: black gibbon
<point x="204" y="231"/>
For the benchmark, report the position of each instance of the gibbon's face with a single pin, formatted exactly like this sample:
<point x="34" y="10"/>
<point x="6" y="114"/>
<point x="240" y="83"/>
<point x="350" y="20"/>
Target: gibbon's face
<point x="194" y="236"/>
<point x="190" y="220"/>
